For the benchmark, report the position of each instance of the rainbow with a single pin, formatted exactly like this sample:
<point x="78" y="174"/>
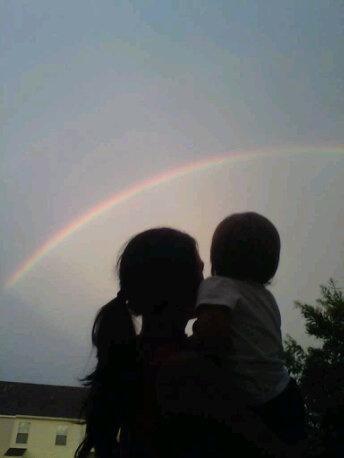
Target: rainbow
<point x="127" y="194"/>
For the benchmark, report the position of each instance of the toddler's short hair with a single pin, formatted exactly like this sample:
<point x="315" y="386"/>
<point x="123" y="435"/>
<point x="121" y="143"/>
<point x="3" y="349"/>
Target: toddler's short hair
<point x="245" y="246"/>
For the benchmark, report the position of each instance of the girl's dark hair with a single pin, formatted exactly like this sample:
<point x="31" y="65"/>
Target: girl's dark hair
<point x="245" y="246"/>
<point x="158" y="268"/>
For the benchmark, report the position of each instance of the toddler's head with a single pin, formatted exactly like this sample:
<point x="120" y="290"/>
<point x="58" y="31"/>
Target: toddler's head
<point x="245" y="246"/>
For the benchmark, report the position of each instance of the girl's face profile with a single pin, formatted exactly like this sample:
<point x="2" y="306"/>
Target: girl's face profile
<point x="200" y="264"/>
<point x="190" y="313"/>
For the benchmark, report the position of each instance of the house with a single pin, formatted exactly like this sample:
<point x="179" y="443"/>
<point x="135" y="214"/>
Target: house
<point x="40" y="421"/>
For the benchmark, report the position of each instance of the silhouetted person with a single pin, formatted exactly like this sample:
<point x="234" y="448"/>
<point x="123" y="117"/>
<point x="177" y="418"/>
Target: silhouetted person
<point x="152" y="395"/>
<point x="240" y="323"/>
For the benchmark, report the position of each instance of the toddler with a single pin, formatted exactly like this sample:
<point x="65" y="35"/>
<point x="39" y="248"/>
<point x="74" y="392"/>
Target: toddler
<point x="239" y="320"/>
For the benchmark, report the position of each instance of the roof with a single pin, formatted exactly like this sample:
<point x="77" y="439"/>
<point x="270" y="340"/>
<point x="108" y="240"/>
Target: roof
<point x="41" y="400"/>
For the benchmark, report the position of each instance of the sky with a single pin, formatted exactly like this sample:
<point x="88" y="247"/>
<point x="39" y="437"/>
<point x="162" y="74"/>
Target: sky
<point x="117" y="116"/>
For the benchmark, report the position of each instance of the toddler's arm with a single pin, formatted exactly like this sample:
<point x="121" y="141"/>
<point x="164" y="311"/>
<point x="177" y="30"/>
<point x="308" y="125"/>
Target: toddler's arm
<point x="212" y="327"/>
<point x="212" y="321"/>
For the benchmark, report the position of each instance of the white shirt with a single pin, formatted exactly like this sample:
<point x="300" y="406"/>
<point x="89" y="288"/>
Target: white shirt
<point x="256" y="357"/>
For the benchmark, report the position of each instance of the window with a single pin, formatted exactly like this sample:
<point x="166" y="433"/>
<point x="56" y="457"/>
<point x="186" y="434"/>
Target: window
<point x="13" y="451"/>
<point x="61" y="435"/>
<point x="23" y="432"/>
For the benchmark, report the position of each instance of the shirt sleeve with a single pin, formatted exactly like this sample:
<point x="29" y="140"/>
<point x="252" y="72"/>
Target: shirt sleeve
<point x="217" y="291"/>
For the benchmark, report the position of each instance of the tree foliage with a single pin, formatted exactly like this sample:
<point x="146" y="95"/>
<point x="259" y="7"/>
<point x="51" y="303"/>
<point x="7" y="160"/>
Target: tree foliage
<point x="319" y="370"/>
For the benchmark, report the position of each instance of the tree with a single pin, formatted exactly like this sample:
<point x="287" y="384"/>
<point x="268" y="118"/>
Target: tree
<point x="320" y="370"/>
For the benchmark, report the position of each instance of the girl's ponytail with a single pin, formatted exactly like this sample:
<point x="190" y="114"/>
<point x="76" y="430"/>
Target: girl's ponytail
<point x="113" y="385"/>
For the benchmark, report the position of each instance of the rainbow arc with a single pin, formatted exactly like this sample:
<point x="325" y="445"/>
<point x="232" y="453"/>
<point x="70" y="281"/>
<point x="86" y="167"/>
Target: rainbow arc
<point x="158" y="180"/>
